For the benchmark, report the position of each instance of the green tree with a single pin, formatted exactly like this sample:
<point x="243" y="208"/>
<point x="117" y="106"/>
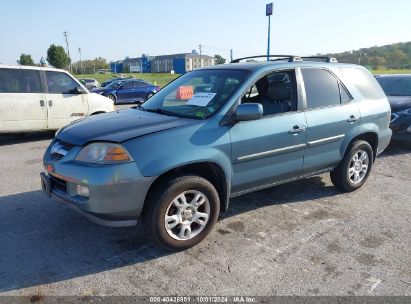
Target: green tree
<point x="219" y="59"/>
<point x="377" y="62"/>
<point x="90" y="66"/>
<point x="25" y="59"/>
<point x="57" y="57"/>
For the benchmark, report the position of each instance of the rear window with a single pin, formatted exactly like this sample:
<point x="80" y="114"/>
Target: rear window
<point x="364" y="82"/>
<point x="20" y="81"/>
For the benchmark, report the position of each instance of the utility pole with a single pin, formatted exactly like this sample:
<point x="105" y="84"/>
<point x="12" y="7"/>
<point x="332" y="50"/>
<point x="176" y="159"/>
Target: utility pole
<point x="231" y="54"/>
<point x="81" y="63"/>
<point x="201" y="60"/>
<point x="268" y="12"/>
<point x="68" y="50"/>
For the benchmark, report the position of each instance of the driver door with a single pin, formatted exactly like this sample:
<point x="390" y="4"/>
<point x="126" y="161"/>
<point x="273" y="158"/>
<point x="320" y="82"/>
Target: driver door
<point x="66" y="100"/>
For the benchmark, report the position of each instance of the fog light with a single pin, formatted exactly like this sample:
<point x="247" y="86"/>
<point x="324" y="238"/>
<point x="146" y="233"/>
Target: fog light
<point x="82" y="190"/>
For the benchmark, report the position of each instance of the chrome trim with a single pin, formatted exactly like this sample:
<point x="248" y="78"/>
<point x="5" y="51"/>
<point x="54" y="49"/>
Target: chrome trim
<point x="270" y="152"/>
<point x="315" y="173"/>
<point x="394" y="117"/>
<point x="325" y="140"/>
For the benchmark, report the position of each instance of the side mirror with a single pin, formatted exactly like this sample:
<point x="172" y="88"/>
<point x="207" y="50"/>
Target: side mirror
<point x="76" y="90"/>
<point x="248" y="111"/>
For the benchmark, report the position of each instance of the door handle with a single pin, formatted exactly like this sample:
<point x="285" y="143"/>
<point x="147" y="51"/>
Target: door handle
<point x="41" y="103"/>
<point x="352" y="118"/>
<point x="297" y="129"/>
<point x="50" y="103"/>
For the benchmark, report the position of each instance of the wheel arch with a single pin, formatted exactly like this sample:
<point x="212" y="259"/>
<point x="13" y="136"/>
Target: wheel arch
<point x="370" y="137"/>
<point x="208" y="170"/>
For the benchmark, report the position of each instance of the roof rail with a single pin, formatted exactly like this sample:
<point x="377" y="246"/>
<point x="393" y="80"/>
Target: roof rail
<point x="321" y="58"/>
<point x="291" y="58"/>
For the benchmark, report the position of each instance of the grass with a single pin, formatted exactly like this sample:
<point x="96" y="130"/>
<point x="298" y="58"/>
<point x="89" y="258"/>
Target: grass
<point x="160" y="79"/>
<point x="388" y="71"/>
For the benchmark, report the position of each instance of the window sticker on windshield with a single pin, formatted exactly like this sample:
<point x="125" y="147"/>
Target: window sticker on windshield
<point x="201" y="99"/>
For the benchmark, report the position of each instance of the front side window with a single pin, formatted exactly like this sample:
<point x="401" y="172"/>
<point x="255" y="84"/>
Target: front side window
<point x="61" y="83"/>
<point x="275" y="92"/>
<point x="396" y="85"/>
<point x="128" y="85"/>
<point x="197" y="94"/>
<point x="20" y="81"/>
<point x="321" y="88"/>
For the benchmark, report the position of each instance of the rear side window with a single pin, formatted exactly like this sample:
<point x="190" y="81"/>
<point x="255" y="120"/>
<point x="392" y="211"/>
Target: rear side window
<point x="322" y="89"/>
<point x="61" y="83"/>
<point x="364" y="82"/>
<point x="20" y="81"/>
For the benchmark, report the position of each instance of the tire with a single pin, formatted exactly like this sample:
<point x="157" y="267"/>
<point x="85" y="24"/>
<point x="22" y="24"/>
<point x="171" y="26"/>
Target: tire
<point x="351" y="174"/>
<point x="165" y="200"/>
<point x="149" y="95"/>
<point x="112" y="97"/>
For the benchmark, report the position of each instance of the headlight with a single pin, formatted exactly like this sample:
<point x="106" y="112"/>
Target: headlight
<point x="104" y="153"/>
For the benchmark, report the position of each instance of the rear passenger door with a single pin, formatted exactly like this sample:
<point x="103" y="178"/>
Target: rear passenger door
<point x="22" y="100"/>
<point x="66" y="100"/>
<point x="331" y="115"/>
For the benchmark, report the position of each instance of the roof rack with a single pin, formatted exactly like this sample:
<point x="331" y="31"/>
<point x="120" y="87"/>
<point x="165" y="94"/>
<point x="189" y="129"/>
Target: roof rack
<point x="291" y="58"/>
<point x="321" y="58"/>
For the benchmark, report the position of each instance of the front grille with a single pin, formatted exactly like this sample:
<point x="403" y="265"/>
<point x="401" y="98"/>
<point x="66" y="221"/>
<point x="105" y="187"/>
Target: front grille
<point x="59" y="184"/>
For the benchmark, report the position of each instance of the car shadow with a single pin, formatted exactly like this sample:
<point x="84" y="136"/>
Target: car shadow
<point x="43" y="241"/>
<point x="12" y="139"/>
<point x="396" y="148"/>
<point x="290" y="193"/>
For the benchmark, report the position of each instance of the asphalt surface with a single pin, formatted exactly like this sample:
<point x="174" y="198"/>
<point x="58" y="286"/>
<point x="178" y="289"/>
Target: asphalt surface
<point x="302" y="238"/>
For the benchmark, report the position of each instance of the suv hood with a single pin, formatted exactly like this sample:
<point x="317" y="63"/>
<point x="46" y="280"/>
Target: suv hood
<point x="118" y="126"/>
<point x="399" y="103"/>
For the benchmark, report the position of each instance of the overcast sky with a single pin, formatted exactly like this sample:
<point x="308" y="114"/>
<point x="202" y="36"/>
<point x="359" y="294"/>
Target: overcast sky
<point x="116" y="29"/>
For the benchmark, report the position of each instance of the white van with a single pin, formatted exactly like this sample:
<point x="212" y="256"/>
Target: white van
<point x="36" y="98"/>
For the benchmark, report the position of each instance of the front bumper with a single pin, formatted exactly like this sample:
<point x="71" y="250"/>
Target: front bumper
<point x="116" y="192"/>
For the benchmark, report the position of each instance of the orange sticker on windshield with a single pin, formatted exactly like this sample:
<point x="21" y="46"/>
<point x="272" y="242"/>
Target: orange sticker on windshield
<point x="185" y="92"/>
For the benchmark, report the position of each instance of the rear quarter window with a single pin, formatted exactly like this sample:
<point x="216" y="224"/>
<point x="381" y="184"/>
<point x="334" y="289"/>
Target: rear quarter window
<point x="363" y="81"/>
<point x="20" y="81"/>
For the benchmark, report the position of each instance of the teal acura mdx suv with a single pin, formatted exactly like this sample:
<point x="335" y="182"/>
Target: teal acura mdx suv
<point x="218" y="132"/>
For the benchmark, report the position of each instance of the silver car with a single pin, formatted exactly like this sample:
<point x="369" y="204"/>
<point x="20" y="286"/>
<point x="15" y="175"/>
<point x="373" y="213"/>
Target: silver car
<point x="90" y="83"/>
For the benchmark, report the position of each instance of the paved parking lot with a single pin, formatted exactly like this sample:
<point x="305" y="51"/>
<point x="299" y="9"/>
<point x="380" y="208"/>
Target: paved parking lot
<point x="303" y="238"/>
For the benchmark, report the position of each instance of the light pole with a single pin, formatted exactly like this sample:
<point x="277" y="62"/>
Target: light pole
<point x="81" y="63"/>
<point x="268" y="12"/>
<point x="68" y="50"/>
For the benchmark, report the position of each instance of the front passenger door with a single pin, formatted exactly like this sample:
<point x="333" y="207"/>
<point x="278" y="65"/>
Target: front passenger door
<point x="66" y="100"/>
<point x="271" y="149"/>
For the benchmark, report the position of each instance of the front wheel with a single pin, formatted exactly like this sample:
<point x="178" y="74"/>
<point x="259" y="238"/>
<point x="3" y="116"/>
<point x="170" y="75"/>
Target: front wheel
<point x="181" y="212"/>
<point x="355" y="167"/>
<point x="149" y="95"/>
<point x="112" y="97"/>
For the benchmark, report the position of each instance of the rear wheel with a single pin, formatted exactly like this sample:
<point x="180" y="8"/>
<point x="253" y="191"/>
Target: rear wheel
<point x="355" y="167"/>
<point x="181" y="212"/>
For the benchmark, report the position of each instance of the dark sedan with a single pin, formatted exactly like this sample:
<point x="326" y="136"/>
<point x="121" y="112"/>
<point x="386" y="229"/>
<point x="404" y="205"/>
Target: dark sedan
<point x="398" y="90"/>
<point x="128" y="91"/>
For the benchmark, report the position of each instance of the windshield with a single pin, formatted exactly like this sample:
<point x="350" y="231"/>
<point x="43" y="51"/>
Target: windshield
<point x="197" y="94"/>
<point x="396" y="86"/>
<point x="115" y="84"/>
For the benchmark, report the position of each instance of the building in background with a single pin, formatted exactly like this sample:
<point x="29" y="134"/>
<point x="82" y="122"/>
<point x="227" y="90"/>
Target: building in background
<point x="177" y="63"/>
